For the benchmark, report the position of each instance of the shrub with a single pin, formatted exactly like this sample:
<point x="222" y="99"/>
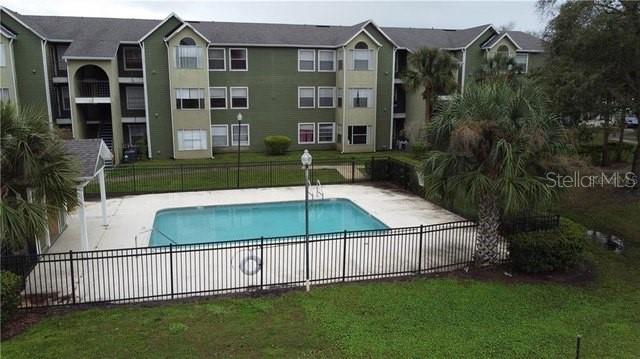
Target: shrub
<point x="277" y="145"/>
<point x="419" y="150"/>
<point x="547" y="251"/>
<point x="10" y="292"/>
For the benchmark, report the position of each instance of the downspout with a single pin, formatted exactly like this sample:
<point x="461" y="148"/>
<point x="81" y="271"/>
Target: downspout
<point x="171" y="90"/>
<point x="375" y="109"/>
<point x="344" y="95"/>
<point x="46" y="81"/>
<point x="146" y="101"/>
<point x="393" y="87"/>
<point x="464" y="69"/>
<point x="13" y="72"/>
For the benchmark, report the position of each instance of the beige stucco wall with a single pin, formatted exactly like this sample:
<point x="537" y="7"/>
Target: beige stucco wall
<point x="7" y="72"/>
<point x="189" y="78"/>
<point x="110" y="67"/>
<point x="357" y="79"/>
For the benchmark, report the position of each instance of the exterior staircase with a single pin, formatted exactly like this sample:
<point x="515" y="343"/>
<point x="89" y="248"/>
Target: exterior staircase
<point x="105" y="132"/>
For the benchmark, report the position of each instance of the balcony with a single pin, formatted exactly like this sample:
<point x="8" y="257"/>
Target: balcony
<point x="93" y="91"/>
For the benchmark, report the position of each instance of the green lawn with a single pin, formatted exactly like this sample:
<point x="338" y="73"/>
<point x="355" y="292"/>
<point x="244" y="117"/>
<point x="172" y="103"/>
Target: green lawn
<point x="423" y="317"/>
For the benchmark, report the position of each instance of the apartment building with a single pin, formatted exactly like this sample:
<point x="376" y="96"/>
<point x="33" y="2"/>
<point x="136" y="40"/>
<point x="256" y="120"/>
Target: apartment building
<point x="174" y="88"/>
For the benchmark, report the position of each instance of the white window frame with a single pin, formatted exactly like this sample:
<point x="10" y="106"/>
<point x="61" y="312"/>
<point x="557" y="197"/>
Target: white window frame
<point x="234" y="141"/>
<point x="126" y="95"/>
<point x="313" y="68"/>
<point x="204" y="98"/>
<point x="350" y="141"/>
<point x="246" y="58"/>
<point x="313" y="126"/>
<point x="224" y="58"/>
<point x="226" y="98"/>
<point x="199" y="57"/>
<point x="370" y="100"/>
<point x="226" y="131"/>
<point x="8" y="97"/>
<point x="333" y="132"/>
<point x="333" y="90"/>
<point x="124" y="59"/>
<point x="370" y="66"/>
<point x="526" y="63"/>
<point x="335" y="60"/>
<point x="313" y="97"/>
<point x="231" y="97"/>
<point x="180" y="143"/>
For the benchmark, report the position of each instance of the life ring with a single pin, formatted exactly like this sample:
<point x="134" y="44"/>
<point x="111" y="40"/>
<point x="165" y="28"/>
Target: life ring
<point x="250" y="264"/>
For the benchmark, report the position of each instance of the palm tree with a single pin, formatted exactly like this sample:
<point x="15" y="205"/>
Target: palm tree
<point x="37" y="176"/>
<point x="492" y="147"/>
<point x="498" y="67"/>
<point x="432" y="71"/>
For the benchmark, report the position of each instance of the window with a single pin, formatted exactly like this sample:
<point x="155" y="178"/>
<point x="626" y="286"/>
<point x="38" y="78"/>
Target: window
<point x="503" y="50"/>
<point x="218" y="97"/>
<point x="4" y="95"/>
<point x="238" y="59"/>
<point x="188" y="55"/>
<point x="137" y="134"/>
<point x="306" y="60"/>
<point x="326" y="132"/>
<point x="3" y="55"/>
<point x="132" y="58"/>
<point x="63" y="99"/>
<point x="339" y="97"/>
<point x="326" y="96"/>
<point x="61" y="65"/>
<point x="239" y="97"/>
<point x="192" y="140"/>
<point x="220" y="135"/>
<point x="306" y="97"/>
<point x="244" y="135"/>
<point x="326" y="60"/>
<point x="191" y="98"/>
<point x="362" y="57"/>
<point x="340" y="60"/>
<point x="217" y="59"/>
<point x="135" y="97"/>
<point x="306" y="133"/>
<point x="361" y="97"/>
<point x="523" y="62"/>
<point x="358" y="135"/>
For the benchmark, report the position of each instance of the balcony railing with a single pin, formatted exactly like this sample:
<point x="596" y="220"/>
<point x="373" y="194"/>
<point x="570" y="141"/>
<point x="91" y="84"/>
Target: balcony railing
<point x="93" y="88"/>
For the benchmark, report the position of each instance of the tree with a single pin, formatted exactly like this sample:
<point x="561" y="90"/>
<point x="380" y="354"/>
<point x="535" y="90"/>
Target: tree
<point x="432" y="71"/>
<point x="492" y="148"/>
<point x="37" y="175"/>
<point x="593" y="66"/>
<point x="499" y="67"/>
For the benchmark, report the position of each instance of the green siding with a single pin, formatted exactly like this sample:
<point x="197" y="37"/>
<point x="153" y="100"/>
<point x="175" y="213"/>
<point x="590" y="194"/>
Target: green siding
<point x="30" y="78"/>
<point x="475" y="56"/>
<point x="273" y="80"/>
<point x="384" y="105"/>
<point x="157" y="84"/>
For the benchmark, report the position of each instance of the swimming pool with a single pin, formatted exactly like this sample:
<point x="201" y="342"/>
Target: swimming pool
<point x="247" y="221"/>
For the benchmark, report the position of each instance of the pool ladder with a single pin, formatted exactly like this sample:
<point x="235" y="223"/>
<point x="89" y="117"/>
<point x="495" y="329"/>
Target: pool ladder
<point x="317" y="192"/>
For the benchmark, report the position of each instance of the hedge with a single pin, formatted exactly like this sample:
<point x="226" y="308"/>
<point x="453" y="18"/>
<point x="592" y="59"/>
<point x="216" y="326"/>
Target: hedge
<point x="277" y="145"/>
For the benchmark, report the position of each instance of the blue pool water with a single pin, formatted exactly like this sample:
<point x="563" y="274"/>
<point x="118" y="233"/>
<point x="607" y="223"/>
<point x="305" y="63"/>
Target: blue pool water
<point x="247" y="221"/>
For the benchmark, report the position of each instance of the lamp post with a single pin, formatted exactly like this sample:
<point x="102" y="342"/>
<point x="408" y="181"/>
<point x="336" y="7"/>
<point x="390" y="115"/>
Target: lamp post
<point x="306" y="162"/>
<point x="239" y="118"/>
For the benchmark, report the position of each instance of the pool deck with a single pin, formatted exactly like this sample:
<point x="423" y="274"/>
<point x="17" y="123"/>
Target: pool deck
<point x="133" y="216"/>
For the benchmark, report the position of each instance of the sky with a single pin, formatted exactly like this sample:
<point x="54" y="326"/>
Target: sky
<point x="520" y="15"/>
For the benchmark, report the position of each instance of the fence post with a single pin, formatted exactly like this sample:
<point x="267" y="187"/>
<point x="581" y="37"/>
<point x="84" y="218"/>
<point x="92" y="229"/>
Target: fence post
<point x="578" y="338"/>
<point x="344" y="256"/>
<point x="420" y="250"/>
<point x="262" y="263"/>
<point x="171" y="267"/>
<point x="134" y="178"/>
<point x="182" y="178"/>
<point x="73" y="287"/>
<point x="270" y="173"/>
<point x="227" y="177"/>
<point x="353" y="169"/>
<point x="373" y="168"/>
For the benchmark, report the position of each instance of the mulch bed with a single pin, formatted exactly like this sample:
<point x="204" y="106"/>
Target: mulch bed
<point x="504" y="274"/>
<point x="21" y="321"/>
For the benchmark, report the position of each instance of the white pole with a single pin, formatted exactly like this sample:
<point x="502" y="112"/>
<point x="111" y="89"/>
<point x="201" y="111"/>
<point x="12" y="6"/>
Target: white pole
<point x="84" y="238"/>
<point x="103" y="197"/>
<point x="306" y="224"/>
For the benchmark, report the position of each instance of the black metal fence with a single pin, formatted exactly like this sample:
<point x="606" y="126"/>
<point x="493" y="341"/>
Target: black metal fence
<point x="177" y="271"/>
<point x="134" y="179"/>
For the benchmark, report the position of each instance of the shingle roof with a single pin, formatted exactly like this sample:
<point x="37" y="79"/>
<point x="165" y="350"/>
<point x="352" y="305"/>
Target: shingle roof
<point x="87" y="152"/>
<point x="525" y="41"/>
<point x="275" y="34"/>
<point x="413" y="38"/>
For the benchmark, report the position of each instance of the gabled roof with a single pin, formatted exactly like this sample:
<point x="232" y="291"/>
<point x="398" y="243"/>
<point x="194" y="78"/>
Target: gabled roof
<point x="88" y="152"/>
<point x="6" y="32"/>
<point x="414" y="38"/>
<point x="187" y="25"/>
<point x="524" y="42"/>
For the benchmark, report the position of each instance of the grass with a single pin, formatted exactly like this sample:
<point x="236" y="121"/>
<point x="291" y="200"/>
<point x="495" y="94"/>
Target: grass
<point x="438" y="317"/>
<point x="252" y="157"/>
